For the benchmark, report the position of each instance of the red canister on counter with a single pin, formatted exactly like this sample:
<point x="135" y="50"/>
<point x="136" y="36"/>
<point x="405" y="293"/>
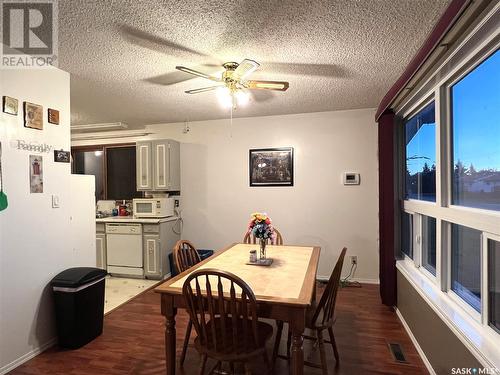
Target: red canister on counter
<point x="123" y="211"/>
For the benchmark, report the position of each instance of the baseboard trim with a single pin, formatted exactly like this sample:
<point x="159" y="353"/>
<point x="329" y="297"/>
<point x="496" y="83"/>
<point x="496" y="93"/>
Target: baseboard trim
<point x="26" y="357"/>
<point x="415" y="342"/>
<point x="359" y="280"/>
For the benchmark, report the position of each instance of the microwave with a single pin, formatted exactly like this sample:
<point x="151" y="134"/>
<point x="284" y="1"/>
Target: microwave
<point x="154" y="207"/>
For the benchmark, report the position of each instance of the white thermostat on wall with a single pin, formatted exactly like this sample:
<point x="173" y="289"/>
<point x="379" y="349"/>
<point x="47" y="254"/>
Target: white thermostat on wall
<point x="351" y="178"/>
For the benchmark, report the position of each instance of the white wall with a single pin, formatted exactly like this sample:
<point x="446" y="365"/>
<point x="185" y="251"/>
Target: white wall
<point x="35" y="239"/>
<point x="318" y="210"/>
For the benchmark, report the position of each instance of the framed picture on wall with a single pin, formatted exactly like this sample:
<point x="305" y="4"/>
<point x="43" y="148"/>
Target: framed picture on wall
<point x="9" y="105"/>
<point x="271" y="166"/>
<point x="33" y="116"/>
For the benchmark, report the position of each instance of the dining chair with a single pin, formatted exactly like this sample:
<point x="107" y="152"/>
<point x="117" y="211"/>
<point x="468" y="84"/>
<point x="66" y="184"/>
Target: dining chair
<point x="251" y="239"/>
<point x="319" y="317"/>
<point x="223" y="309"/>
<point x="185" y="257"/>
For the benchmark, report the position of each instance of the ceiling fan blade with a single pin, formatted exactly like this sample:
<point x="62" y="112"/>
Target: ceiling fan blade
<point x="267" y="85"/>
<point x="197" y="73"/>
<point x="204" y="89"/>
<point x="245" y="68"/>
<point x="172" y="78"/>
<point x="316" y="70"/>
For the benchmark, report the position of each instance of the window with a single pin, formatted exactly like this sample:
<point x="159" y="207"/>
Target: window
<point x="91" y="162"/>
<point x="449" y="185"/>
<point x="494" y="284"/>
<point x="420" y="138"/>
<point x="429" y="244"/>
<point x="120" y="173"/>
<point x="113" y="168"/>
<point x="476" y="137"/>
<point x="466" y="264"/>
<point x="407" y="234"/>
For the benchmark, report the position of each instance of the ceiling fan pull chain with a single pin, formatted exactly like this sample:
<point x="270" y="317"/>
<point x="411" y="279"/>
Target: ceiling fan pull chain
<point x="231" y="123"/>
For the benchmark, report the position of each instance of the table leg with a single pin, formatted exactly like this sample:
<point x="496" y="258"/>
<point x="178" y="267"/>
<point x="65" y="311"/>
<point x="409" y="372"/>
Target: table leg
<point x="298" y="326"/>
<point x="169" y="311"/>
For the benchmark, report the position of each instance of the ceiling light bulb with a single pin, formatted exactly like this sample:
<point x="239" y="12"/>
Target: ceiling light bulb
<point x="224" y="96"/>
<point x="242" y="97"/>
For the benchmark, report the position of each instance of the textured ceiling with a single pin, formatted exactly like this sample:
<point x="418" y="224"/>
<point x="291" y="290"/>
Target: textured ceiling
<point x="341" y="54"/>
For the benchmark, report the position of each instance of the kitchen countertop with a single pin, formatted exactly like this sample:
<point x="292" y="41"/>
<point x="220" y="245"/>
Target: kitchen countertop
<point x="132" y="219"/>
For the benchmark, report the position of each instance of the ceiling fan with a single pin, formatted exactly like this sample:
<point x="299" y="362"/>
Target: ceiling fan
<point x="234" y="82"/>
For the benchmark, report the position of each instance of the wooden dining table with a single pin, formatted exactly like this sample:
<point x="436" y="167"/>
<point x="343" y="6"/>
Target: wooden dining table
<point x="283" y="291"/>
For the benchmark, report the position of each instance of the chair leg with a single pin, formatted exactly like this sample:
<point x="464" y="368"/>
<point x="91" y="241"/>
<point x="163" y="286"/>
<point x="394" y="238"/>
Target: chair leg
<point x="247" y="369"/>
<point x="322" y="353"/>
<point x="277" y="341"/>
<point x="186" y="342"/>
<point x="289" y="342"/>
<point x="334" y="345"/>
<point x="269" y="366"/>
<point x="203" y="364"/>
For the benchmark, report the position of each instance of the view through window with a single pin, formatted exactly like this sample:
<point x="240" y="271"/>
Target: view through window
<point x="476" y="137"/>
<point x="420" y="136"/>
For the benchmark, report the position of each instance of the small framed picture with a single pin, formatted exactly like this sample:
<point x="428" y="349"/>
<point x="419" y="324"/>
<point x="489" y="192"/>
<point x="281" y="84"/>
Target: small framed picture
<point x="36" y="174"/>
<point x="271" y="167"/>
<point x="61" y="156"/>
<point x="33" y="116"/>
<point x="9" y="105"/>
<point x="53" y="116"/>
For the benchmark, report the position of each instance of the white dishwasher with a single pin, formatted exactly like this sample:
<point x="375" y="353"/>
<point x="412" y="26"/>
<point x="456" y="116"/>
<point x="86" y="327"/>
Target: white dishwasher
<point x="124" y="249"/>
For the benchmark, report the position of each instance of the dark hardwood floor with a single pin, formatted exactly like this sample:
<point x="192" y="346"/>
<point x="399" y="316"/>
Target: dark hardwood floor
<point x="132" y="342"/>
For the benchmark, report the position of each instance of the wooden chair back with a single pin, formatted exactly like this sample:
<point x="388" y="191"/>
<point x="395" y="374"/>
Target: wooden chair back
<point x="185" y="255"/>
<point x="326" y="305"/>
<point x="224" y="321"/>
<point x="251" y="239"/>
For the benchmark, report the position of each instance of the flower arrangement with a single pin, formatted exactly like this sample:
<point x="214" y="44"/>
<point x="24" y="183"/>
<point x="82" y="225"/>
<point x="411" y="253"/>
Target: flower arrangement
<point x="261" y="227"/>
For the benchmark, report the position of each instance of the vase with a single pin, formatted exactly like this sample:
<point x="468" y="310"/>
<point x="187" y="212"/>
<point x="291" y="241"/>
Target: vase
<point x="263" y="244"/>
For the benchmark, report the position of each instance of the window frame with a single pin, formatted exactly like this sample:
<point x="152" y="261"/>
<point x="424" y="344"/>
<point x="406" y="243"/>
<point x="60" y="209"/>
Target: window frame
<point x="477" y="316"/>
<point x="455" y="78"/>
<point x="411" y="112"/>
<point x="103" y="148"/>
<point x="424" y="270"/>
<point x="485" y="265"/>
<point x="445" y="213"/>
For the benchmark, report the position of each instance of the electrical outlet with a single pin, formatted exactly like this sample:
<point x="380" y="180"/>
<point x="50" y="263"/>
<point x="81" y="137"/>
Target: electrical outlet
<point x="354" y="259"/>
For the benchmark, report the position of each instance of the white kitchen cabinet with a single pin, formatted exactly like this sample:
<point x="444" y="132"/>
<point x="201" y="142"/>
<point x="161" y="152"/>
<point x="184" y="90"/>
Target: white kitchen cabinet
<point x="144" y="166"/>
<point x="144" y="251"/>
<point x="152" y="262"/>
<point x="100" y="242"/>
<point x="158" y="165"/>
<point x="159" y="241"/>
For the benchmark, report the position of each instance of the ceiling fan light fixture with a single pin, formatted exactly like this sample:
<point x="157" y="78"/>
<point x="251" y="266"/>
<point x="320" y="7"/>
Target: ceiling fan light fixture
<point x="242" y="98"/>
<point x="224" y="96"/>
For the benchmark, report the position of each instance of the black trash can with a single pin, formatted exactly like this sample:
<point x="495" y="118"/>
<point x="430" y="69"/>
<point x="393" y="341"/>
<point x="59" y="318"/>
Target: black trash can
<point x="79" y="305"/>
<point x="204" y="254"/>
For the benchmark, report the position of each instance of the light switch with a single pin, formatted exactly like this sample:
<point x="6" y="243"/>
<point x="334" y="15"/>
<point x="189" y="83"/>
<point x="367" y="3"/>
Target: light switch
<point x="55" y="201"/>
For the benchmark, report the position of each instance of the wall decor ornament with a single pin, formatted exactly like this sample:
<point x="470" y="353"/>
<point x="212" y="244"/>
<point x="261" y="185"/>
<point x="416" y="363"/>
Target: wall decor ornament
<point x="36" y="174"/>
<point x="33" y="116"/>
<point x="271" y="166"/>
<point x="61" y="156"/>
<point x="21" y="144"/>
<point x="10" y="105"/>
<point x="53" y="116"/>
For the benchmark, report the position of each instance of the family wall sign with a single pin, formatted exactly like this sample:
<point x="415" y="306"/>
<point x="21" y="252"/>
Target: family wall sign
<point x="31" y="146"/>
